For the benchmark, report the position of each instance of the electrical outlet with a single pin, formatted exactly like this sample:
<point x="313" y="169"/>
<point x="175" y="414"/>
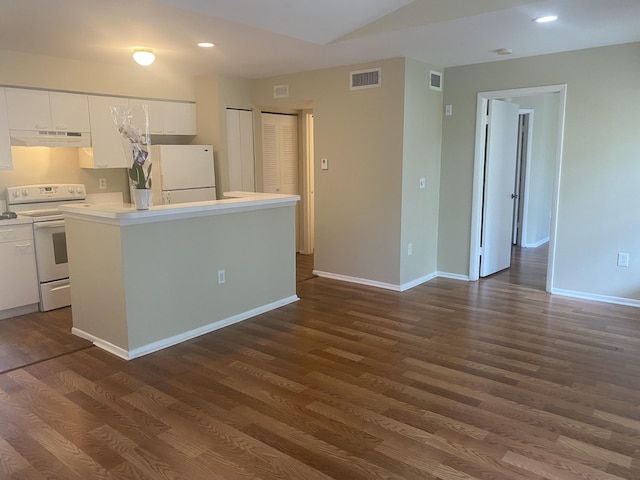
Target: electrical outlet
<point x="623" y="259"/>
<point x="102" y="183"/>
<point x="410" y="249"/>
<point x="221" y="276"/>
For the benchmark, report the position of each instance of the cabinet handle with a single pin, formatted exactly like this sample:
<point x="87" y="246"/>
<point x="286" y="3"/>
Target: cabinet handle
<point x="58" y="127"/>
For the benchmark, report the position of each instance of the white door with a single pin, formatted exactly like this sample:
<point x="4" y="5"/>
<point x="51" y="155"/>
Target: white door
<point x="240" y="150"/>
<point x="280" y="153"/>
<point x="500" y="170"/>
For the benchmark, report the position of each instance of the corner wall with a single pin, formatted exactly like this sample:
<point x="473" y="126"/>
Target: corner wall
<point x="421" y="159"/>
<point x="597" y="214"/>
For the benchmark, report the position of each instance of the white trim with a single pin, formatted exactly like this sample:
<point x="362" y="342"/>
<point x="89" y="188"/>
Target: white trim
<point x="360" y="281"/>
<point x="453" y="276"/>
<point x="597" y="298"/>
<point x="418" y="281"/>
<point x="181" y="337"/>
<point x="530" y="112"/>
<point x="536" y="244"/>
<point x="478" y="173"/>
<point x="374" y="283"/>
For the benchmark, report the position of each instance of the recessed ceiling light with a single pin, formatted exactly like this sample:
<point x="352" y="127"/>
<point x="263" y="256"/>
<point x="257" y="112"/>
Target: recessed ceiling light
<point x="546" y="19"/>
<point x="206" y="44"/>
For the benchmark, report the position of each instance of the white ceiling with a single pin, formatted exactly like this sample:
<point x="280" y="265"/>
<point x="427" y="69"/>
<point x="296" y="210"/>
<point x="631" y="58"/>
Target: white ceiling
<point x="258" y="38"/>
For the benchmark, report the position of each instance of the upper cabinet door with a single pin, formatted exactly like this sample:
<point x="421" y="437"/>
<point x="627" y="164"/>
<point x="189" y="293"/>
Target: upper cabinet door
<point x="108" y="145"/>
<point x="5" y="142"/>
<point x="154" y="114"/>
<point x="69" y="112"/>
<point x="28" y="109"/>
<point x="179" y="118"/>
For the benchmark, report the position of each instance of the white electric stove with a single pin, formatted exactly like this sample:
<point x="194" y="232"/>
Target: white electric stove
<point x="40" y="202"/>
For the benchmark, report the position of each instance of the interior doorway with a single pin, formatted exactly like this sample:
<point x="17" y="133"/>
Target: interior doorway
<point x="481" y="188"/>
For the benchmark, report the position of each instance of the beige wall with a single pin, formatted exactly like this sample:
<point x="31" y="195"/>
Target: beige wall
<point x="358" y="199"/>
<point x="600" y="175"/>
<point x="379" y="142"/>
<point x="33" y="165"/>
<point x="152" y="282"/>
<point x="421" y="159"/>
<point x="541" y="165"/>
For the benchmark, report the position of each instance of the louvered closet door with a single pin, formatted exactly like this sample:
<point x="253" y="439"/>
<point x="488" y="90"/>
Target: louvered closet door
<point x="280" y="153"/>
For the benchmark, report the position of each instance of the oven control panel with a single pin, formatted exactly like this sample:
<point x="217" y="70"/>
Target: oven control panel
<point x="45" y="193"/>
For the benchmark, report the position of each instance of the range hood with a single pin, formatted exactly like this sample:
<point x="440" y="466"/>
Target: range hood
<point x="46" y="138"/>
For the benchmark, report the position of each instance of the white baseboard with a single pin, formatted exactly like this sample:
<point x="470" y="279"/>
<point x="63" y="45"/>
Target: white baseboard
<point x="174" y="340"/>
<point x="360" y="281"/>
<point x="374" y="283"/>
<point x="536" y="244"/>
<point x="597" y="298"/>
<point x="453" y="276"/>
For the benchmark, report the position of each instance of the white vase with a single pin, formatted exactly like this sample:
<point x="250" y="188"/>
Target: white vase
<point x="142" y="198"/>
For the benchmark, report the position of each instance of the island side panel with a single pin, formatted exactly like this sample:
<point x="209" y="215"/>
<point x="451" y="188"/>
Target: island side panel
<point x="171" y="270"/>
<point x="97" y="281"/>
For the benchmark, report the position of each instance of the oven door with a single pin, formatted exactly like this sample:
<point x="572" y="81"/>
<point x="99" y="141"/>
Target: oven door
<point x="51" y="250"/>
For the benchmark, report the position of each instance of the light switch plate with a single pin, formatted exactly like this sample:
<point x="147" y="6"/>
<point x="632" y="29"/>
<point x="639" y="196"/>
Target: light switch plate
<point x="423" y="182"/>
<point x="324" y="164"/>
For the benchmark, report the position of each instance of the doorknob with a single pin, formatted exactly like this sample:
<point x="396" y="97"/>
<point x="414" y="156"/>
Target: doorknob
<point x="513" y="195"/>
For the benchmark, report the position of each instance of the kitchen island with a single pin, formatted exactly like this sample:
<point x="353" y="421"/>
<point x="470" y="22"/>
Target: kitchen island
<point x="142" y="280"/>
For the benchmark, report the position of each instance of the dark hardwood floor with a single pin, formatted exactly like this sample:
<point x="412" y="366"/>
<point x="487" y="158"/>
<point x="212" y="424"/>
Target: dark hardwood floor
<point x="36" y="337"/>
<point x="528" y="267"/>
<point x="450" y="380"/>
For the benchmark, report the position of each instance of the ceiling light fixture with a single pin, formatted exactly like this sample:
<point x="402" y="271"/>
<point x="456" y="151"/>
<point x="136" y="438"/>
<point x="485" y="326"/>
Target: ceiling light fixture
<point x="546" y="19"/>
<point x="504" y="51"/>
<point x="206" y="44"/>
<point x="143" y="56"/>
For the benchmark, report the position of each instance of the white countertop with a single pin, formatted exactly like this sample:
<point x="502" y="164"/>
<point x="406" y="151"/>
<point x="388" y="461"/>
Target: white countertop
<point x="20" y="220"/>
<point x="127" y="214"/>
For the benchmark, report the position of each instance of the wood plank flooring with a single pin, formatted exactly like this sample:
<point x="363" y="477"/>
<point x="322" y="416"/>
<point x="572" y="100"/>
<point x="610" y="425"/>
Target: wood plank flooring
<point x="36" y="337"/>
<point x="450" y="380"/>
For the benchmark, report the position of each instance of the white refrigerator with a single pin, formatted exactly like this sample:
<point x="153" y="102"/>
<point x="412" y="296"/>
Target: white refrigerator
<point x="182" y="174"/>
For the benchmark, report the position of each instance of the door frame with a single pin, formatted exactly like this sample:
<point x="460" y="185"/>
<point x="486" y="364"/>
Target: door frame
<point x="478" y="173"/>
<point x="525" y="160"/>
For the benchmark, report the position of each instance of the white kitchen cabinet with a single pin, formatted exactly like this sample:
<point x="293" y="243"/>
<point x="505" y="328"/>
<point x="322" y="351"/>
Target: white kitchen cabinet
<point x="19" y="281"/>
<point x="6" y="162"/>
<point x="154" y="113"/>
<point x="165" y="118"/>
<point x="44" y="110"/>
<point x="69" y="112"/>
<point x="28" y="109"/>
<point x="179" y="118"/>
<point x="108" y="145"/>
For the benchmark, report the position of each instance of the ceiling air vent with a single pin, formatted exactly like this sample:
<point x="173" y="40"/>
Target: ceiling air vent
<point x="280" y="91"/>
<point x="371" y="78"/>
<point x="435" y="80"/>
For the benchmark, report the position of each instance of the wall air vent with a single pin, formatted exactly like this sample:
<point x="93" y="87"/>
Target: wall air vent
<point x="360" y="79"/>
<point x="435" y="80"/>
<point x="280" y="91"/>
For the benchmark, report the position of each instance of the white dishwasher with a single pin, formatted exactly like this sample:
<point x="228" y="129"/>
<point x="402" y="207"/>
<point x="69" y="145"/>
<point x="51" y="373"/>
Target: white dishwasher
<point x="19" y="278"/>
